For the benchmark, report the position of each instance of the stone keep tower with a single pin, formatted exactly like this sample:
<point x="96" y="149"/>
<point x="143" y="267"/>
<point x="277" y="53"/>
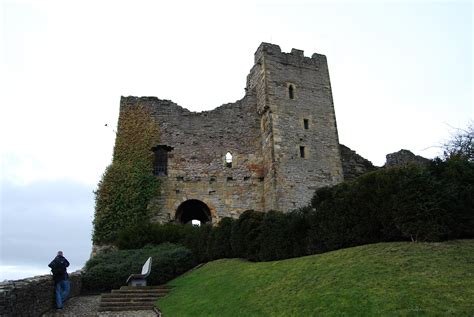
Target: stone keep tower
<point x="268" y="151"/>
<point x="300" y="144"/>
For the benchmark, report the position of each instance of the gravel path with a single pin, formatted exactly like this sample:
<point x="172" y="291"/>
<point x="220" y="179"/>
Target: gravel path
<point x="87" y="306"/>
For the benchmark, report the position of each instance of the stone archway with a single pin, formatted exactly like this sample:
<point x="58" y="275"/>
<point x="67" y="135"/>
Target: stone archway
<point x="193" y="209"/>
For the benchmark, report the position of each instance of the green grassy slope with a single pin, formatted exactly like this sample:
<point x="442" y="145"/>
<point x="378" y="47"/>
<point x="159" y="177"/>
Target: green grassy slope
<point x="388" y="279"/>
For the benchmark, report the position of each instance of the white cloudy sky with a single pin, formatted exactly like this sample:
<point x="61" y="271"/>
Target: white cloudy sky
<point x="401" y="74"/>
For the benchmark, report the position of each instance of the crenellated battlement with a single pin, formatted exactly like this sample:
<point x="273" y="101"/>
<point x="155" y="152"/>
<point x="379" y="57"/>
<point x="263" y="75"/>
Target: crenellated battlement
<point x="295" y="57"/>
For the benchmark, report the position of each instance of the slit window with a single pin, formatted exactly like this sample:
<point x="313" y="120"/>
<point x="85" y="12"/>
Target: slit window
<point x="302" y="152"/>
<point x="291" y="92"/>
<point x="228" y="159"/>
<point x="306" y="124"/>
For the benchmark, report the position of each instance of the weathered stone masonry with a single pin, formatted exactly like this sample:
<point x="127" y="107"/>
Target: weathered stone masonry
<point x="282" y="136"/>
<point x="33" y="296"/>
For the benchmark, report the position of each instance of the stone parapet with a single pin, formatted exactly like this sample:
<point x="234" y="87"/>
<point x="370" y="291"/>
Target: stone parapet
<point x="33" y="296"/>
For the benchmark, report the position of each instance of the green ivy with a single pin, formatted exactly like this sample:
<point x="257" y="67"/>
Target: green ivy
<point x="128" y="184"/>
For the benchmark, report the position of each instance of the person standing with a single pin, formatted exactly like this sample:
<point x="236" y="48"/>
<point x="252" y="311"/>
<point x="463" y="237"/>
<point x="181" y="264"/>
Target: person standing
<point x="61" y="279"/>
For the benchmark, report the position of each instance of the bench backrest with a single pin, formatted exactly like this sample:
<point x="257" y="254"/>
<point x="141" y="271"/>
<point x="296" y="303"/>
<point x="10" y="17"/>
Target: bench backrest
<point x="146" y="269"/>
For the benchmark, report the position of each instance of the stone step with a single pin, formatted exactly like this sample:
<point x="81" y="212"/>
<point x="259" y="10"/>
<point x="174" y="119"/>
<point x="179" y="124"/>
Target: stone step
<point x="118" y="303"/>
<point x="135" y="295"/>
<point x="132" y="298"/>
<point x="134" y="291"/>
<point x="125" y="308"/>
<point x="127" y="300"/>
<point x="160" y="287"/>
<point x="117" y="295"/>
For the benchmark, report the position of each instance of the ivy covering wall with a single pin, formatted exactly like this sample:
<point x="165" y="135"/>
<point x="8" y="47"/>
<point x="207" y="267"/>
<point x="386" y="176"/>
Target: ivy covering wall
<point x="128" y="183"/>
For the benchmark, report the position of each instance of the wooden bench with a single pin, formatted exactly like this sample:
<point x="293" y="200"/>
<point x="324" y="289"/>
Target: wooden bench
<point x="140" y="279"/>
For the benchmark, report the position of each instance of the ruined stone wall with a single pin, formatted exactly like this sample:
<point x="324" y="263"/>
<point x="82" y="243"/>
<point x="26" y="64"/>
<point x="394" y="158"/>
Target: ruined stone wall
<point x="196" y="165"/>
<point x="294" y="177"/>
<point x="354" y="165"/>
<point x="403" y="158"/>
<point x="33" y="296"/>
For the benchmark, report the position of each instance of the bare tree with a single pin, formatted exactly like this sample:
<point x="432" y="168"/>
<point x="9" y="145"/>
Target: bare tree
<point x="461" y="145"/>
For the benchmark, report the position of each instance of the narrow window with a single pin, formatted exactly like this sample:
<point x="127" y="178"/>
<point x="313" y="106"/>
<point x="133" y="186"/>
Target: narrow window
<point x="302" y="151"/>
<point x="228" y="159"/>
<point x="291" y="92"/>
<point x="306" y="124"/>
<point x="160" y="162"/>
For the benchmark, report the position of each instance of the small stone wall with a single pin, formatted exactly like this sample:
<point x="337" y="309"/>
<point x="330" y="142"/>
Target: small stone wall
<point x="33" y="296"/>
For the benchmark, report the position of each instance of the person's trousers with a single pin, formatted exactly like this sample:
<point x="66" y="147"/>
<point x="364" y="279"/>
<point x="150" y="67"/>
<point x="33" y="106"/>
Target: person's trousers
<point x="62" y="292"/>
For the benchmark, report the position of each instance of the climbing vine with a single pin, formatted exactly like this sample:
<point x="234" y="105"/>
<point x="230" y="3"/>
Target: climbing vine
<point x="128" y="183"/>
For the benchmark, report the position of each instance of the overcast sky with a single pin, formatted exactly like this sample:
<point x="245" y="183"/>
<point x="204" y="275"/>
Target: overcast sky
<point x="401" y="74"/>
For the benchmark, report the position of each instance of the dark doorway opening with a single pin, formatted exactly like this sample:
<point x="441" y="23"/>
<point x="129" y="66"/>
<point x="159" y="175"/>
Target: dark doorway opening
<point x="193" y="209"/>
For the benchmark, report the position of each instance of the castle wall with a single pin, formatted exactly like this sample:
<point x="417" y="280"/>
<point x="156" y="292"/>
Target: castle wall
<point x="196" y="165"/>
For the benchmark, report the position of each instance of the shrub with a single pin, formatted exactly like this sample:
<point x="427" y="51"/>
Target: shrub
<point x="417" y="210"/>
<point x="246" y="233"/>
<point x="111" y="270"/>
<point x="219" y="245"/>
<point x="419" y="203"/>
<point x="456" y="186"/>
<point x="298" y="226"/>
<point x="196" y="239"/>
<point x="192" y="237"/>
<point x="146" y="233"/>
<point x="275" y="237"/>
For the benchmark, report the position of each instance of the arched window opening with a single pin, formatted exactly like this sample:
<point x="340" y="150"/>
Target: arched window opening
<point x="291" y="92"/>
<point x="228" y="159"/>
<point x="193" y="212"/>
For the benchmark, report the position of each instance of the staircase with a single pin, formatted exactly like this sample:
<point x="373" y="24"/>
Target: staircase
<point x="132" y="298"/>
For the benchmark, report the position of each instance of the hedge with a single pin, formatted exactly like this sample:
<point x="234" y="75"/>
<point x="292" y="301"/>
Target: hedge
<point x="431" y="203"/>
<point x="110" y="270"/>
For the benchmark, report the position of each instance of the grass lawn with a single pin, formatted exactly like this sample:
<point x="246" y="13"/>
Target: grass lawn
<point x="385" y="279"/>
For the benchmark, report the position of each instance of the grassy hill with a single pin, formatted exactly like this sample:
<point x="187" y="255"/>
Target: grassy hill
<point x="389" y="279"/>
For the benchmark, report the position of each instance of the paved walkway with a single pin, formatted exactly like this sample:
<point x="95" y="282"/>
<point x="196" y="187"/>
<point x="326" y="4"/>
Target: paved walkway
<point x="87" y="306"/>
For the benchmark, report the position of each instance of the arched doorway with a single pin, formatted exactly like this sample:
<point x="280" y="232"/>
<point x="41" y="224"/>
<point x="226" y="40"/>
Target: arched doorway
<point x="193" y="209"/>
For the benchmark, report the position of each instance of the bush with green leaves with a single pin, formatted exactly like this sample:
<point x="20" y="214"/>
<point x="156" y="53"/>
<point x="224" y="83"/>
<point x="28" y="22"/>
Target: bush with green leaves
<point x="219" y="246"/>
<point x="111" y="270"/>
<point x="415" y="203"/>
<point x="246" y="235"/>
<point x="275" y="237"/>
<point x="456" y="187"/>
<point x="192" y="237"/>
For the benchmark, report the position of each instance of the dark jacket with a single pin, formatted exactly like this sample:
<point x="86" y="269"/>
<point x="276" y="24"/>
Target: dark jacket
<point x="58" y="268"/>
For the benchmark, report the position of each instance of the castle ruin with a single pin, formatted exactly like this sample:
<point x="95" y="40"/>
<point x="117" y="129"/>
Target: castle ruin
<point x="268" y="151"/>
